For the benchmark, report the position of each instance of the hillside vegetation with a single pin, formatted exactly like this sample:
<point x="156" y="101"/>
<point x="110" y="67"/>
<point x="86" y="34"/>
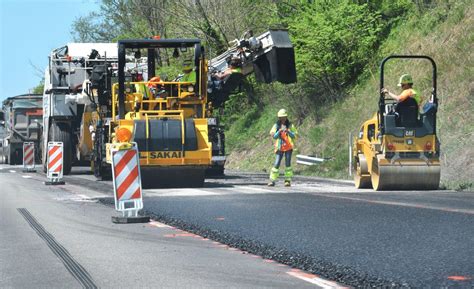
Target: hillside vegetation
<point x="338" y="46"/>
<point x="442" y="30"/>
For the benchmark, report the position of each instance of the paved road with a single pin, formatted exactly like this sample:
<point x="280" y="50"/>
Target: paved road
<point x="61" y="237"/>
<point x="357" y="237"/>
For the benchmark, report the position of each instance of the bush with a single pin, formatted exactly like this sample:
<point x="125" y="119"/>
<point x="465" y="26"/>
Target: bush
<point x="333" y="43"/>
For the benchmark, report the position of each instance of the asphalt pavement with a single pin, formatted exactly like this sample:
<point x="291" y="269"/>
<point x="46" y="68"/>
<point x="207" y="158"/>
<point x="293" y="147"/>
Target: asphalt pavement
<point x="62" y="237"/>
<point x="214" y="235"/>
<point x="356" y="237"/>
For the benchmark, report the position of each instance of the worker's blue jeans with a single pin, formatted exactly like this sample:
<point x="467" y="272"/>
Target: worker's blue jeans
<point x="279" y="157"/>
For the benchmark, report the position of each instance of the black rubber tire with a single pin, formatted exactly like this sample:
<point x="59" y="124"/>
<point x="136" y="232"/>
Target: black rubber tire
<point x="11" y="157"/>
<point x="215" y="171"/>
<point x="172" y="179"/>
<point x="104" y="173"/>
<point x="61" y="132"/>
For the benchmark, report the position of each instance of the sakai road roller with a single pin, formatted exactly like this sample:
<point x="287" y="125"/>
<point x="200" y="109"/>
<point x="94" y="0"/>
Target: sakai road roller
<point x="398" y="147"/>
<point x="165" y="118"/>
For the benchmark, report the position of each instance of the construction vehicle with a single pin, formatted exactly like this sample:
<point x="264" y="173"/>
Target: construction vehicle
<point x="166" y="119"/>
<point x="83" y="109"/>
<point x="171" y="121"/>
<point x="398" y="147"/>
<point x="22" y="123"/>
<point x="269" y="56"/>
<point x="77" y="87"/>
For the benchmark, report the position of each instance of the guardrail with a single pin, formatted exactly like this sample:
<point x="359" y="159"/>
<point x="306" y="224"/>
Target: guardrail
<point x="310" y="160"/>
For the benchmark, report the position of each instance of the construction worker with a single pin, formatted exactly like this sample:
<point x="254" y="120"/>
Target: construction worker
<point x="234" y="67"/>
<point x="284" y="133"/>
<point x="189" y="75"/>
<point x="406" y="83"/>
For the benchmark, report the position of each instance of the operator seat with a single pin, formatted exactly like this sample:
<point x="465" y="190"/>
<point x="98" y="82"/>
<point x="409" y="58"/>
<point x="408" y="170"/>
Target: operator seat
<point x="407" y="111"/>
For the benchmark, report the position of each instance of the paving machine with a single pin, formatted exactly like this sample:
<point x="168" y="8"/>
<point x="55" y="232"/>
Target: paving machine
<point x="166" y="119"/>
<point x="22" y="123"/>
<point x="398" y="147"/>
<point x="76" y="90"/>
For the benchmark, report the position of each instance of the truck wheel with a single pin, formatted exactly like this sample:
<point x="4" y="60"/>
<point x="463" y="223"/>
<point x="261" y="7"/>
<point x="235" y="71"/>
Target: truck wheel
<point x="12" y="157"/>
<point x="61" y="132"/>
<point x="102" y="172"/>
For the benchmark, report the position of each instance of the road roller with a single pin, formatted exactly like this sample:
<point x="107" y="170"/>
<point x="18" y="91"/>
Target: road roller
<point x="398" y="149"/>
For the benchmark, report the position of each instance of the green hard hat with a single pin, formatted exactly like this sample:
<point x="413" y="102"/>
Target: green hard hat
<point x="187" y="65"/>
<point x="405" y="79"/>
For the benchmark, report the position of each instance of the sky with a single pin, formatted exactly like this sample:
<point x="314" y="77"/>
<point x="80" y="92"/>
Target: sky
<point x="29" y="30"/>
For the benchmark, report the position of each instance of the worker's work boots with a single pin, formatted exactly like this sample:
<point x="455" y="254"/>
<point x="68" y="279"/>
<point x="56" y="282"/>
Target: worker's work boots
<point x="287" y="184"/>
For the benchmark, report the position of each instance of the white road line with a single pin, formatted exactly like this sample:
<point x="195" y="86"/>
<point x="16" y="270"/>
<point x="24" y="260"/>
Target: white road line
<point x="255" y="189"/>
<point x="180" y="192"/>
<point x="12" y="171"/>
<point x="26" y="177"/>
<point x="159" y="225"/>
<point x="313" y="279"/>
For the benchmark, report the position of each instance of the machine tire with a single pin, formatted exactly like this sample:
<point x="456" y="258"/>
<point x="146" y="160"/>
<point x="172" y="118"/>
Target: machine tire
<point x="375" y="177"/>
<point x="11" y="157"/>
<point x="216" y="171"/>
<point x="61" y="132"/>
<point x="362" y="178"/>
<point x="103" y="173"/>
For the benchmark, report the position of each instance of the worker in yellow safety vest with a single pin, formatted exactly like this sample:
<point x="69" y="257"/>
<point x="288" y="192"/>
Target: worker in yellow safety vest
<point x="408" y="93"/>
<point x="284" y="133"/>
<point x="189" y="75"/>
<point x="234" y="67"/>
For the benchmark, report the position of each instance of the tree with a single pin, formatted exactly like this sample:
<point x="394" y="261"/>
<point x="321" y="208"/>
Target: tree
<point x="39" y="88"/>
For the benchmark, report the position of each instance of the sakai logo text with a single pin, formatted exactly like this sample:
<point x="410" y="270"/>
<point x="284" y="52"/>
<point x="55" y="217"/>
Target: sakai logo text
<point x="161" y="155"/>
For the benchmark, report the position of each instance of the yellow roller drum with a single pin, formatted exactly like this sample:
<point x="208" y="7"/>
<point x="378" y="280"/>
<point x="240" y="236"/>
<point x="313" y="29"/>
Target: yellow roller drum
<point x="405" y="175"/>
<point x="361" y="174"/>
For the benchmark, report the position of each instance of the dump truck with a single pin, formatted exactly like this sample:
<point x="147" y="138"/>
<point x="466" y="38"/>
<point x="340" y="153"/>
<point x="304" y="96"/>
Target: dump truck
<point x="22" y="123"/>
<point x="77" y="88"/>
<point x="398" y="147"/>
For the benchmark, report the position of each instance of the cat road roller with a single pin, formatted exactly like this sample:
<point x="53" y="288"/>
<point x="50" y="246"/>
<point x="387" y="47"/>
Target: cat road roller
<point x="398" y="148"/>
<point x="167" y="119"/>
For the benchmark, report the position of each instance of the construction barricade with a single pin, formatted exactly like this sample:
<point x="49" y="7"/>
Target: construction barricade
<point x="55" y="163"/>
<point x="29" y="157"/>
<point x="127" y="183"/>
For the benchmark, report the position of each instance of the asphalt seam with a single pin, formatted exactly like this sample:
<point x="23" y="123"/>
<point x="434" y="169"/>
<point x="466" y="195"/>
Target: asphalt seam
<point x="77" y="270"/>
<point x="392" y="203"/>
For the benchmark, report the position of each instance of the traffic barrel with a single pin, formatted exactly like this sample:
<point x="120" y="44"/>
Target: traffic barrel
<point x="127" y="183"/>
<point x="28" y="157"/>
<point x="55" y="163"/>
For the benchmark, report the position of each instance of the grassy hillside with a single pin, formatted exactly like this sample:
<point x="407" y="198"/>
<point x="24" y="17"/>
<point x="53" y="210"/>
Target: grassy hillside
<point x="444" y="32"/>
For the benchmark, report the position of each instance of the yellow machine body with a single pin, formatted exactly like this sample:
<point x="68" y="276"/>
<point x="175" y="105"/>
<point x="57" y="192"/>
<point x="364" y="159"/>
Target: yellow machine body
<point x="185" y="106"/>
<point x="398" y="148"/>
<point x="389" y="162"/>
<point x="169" y="127"/>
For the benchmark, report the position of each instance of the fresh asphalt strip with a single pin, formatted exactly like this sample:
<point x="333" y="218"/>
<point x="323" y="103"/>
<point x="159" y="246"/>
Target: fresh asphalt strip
<point x="294" y="253"/>
<point x="338" y="273"/>
<point x="334" y="272"/>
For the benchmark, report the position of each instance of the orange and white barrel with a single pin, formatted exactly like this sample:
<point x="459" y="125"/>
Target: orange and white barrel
<point x="28" y="156"/>
<point x="55" y="161"/>
<point x="127" y="180"/>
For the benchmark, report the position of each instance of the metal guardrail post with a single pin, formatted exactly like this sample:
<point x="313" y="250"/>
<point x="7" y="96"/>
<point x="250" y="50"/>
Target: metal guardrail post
<point x="350" y="154"/>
